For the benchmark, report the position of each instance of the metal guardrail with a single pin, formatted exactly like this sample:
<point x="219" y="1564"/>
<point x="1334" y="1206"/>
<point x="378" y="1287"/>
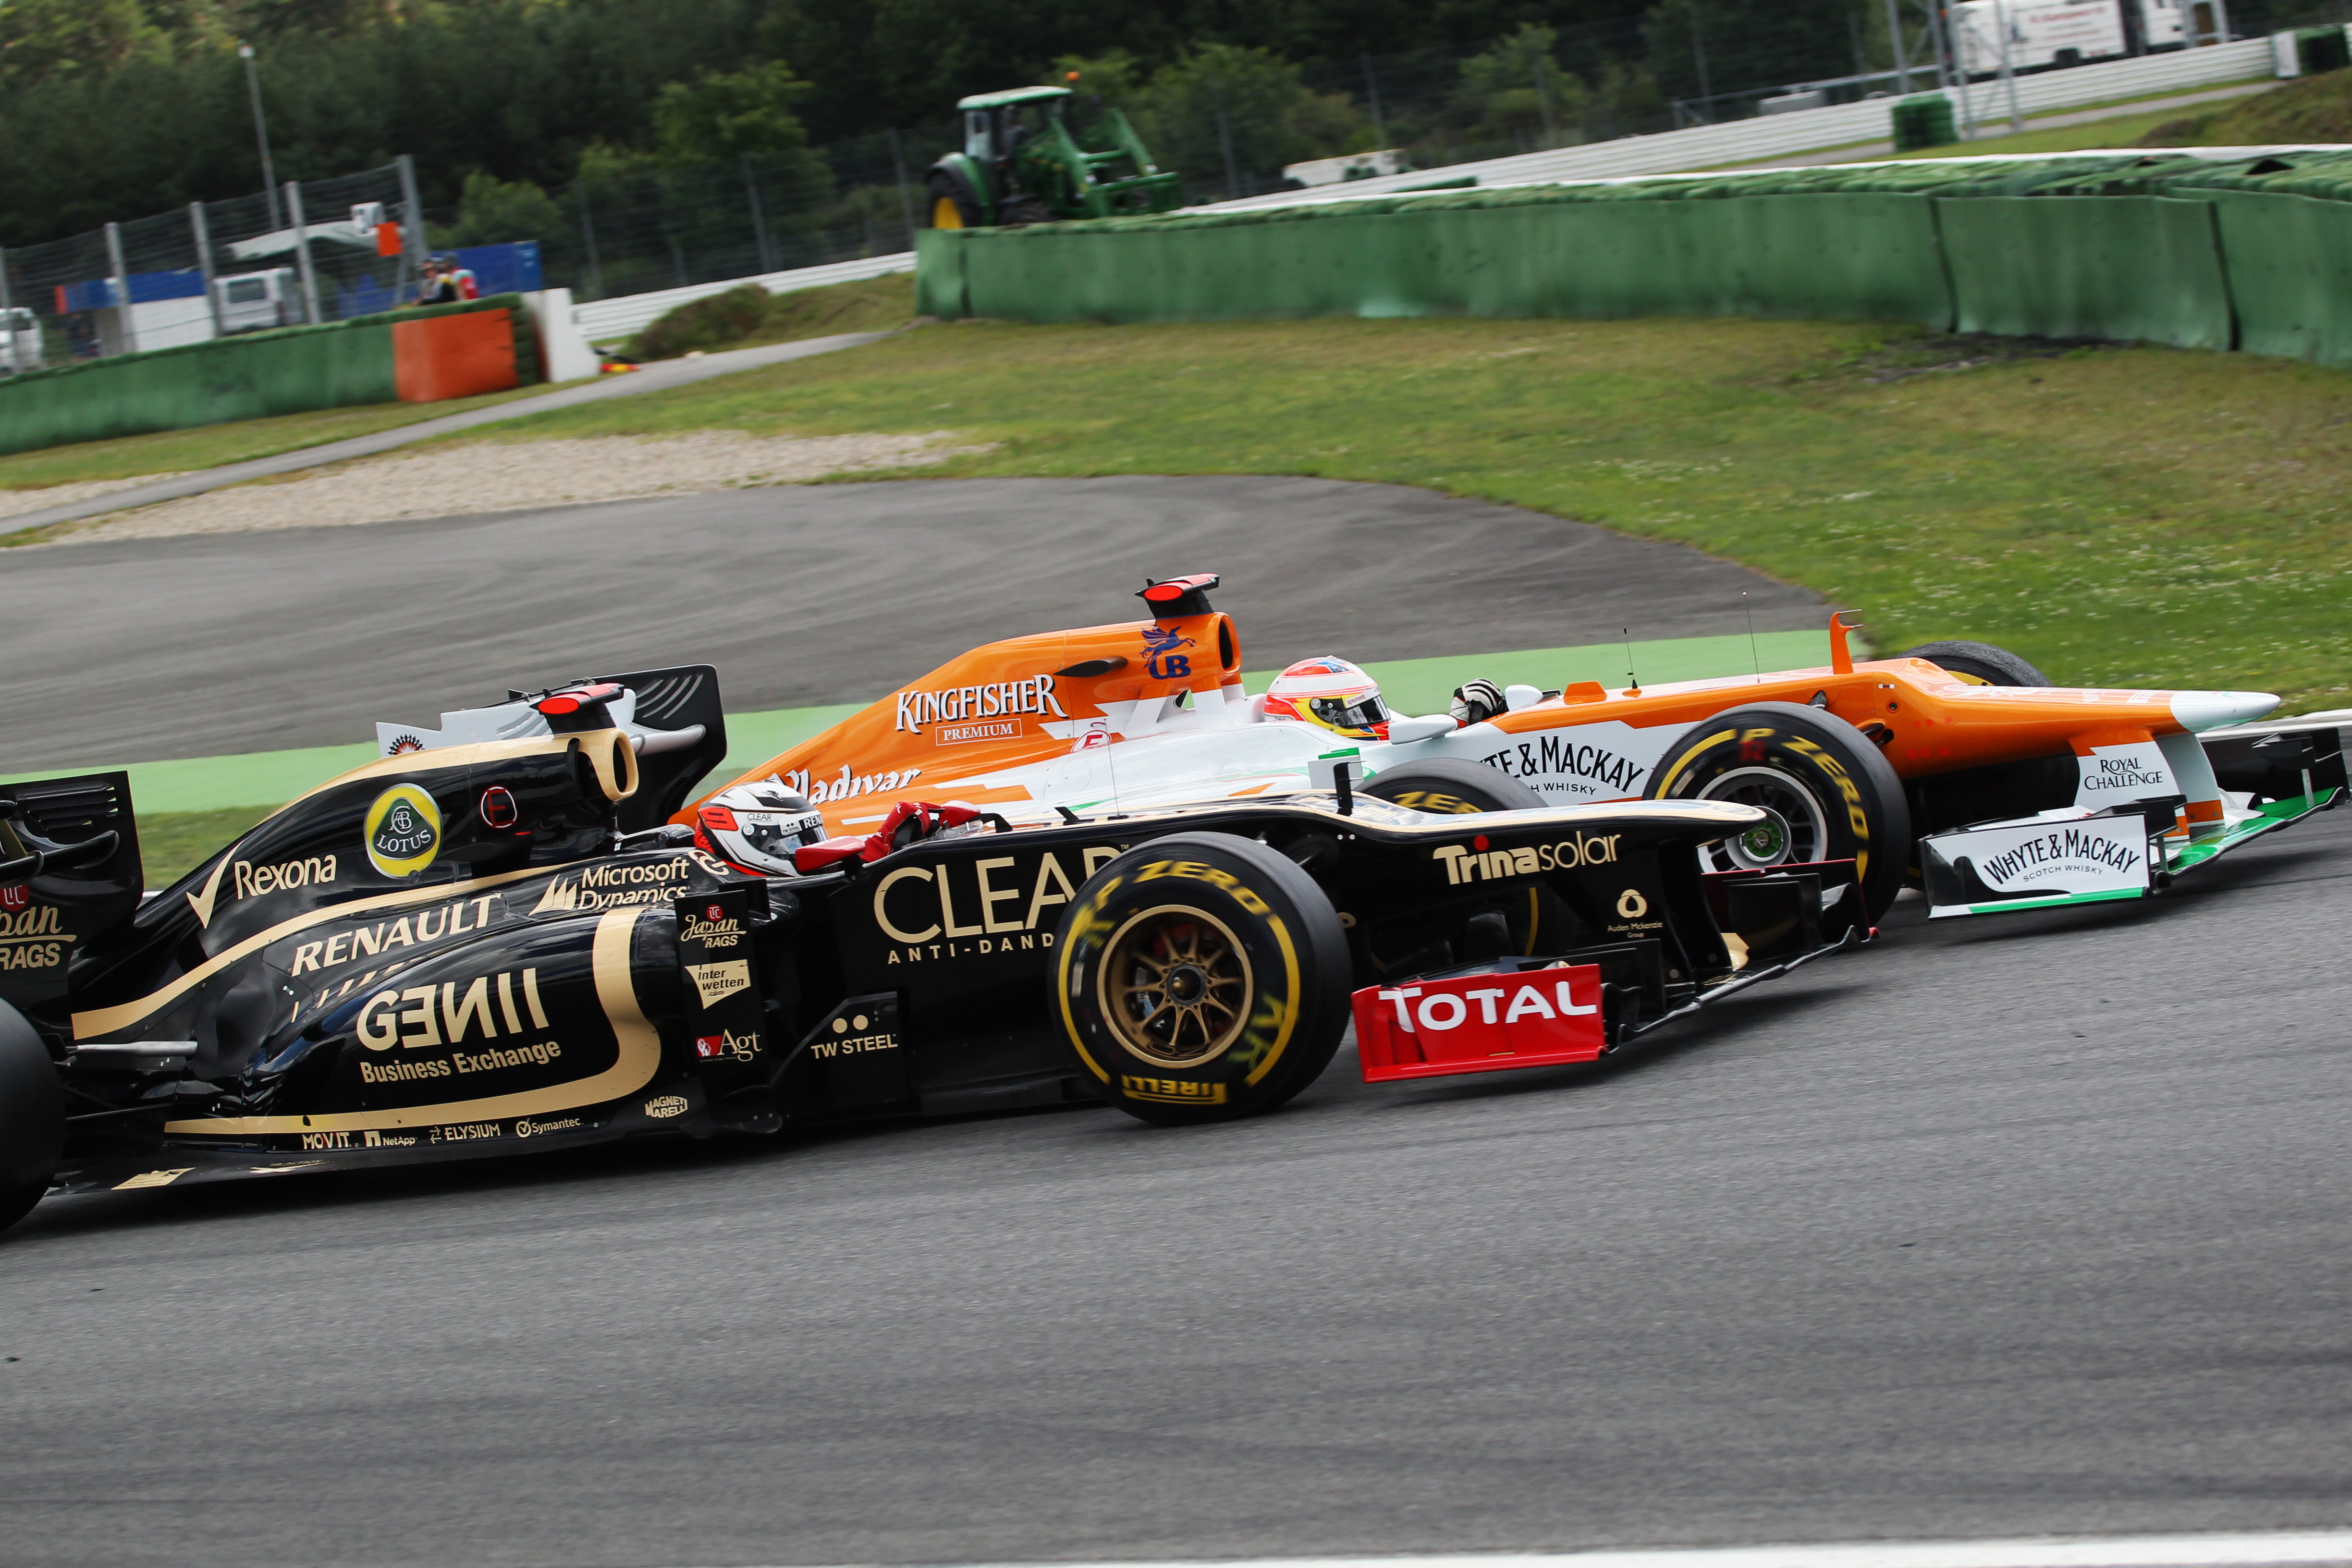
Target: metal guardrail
<point x="609" y="320"/>
<point x="1810" y="131"/>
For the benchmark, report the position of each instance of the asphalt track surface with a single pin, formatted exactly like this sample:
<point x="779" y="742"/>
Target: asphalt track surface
<point x="208" y="645"/>
<point x="1998" y="1228"/>
<point x="1994" y="1229"/>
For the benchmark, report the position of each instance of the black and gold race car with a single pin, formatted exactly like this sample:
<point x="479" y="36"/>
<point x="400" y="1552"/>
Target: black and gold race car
<point x="502" y="945"/>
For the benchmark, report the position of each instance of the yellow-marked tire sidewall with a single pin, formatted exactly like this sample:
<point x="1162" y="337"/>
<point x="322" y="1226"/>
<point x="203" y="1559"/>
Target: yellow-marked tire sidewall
<point x="1862" y="800"/>
<point x="1296" y="1007"/>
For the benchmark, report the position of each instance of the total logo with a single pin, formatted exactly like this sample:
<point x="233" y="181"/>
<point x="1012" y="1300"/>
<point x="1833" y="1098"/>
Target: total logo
<point x="1480" y="863"/>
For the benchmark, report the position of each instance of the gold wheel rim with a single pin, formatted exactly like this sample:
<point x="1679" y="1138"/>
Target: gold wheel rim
<point x="1174" y="986"/>
<point x="945" y="214"/>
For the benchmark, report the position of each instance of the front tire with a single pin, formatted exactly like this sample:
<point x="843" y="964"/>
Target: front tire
<point x="32" y="1117"/>
<point x="1831" y="795"/>
<point x="1978" y="663"/>
<point x="1204" y="977"/>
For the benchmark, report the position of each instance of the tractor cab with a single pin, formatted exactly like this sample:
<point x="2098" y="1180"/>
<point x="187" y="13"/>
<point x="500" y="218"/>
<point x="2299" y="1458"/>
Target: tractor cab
<point x="997" y="125"/>
<point x="1023" y="160"/>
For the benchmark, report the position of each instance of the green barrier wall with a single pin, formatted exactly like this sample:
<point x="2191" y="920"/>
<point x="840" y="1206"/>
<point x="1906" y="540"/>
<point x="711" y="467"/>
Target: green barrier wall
<point x="295" y="370"/>
<point x="1861" y="256"/>
<point x="2146" y="268"/>
<point x="2199" y="249"/>
<point x="2290" y="273"/>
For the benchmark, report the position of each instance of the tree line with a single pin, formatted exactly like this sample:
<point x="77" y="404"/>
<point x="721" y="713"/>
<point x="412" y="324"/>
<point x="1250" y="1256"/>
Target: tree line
<point x="113" y="108"/>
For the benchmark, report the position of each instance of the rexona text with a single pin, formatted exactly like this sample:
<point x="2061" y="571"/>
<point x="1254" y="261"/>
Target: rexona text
<point x="1473" y="865"/>
<point x="1034" y="694"/>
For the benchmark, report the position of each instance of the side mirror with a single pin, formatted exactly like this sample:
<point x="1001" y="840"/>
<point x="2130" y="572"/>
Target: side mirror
<point x="1404" y="730"/>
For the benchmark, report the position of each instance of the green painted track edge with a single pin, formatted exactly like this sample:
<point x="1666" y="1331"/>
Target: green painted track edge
<point x="259" y="780"/>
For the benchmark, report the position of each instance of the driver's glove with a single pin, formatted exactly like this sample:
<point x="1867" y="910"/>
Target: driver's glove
<point x="1475" y="701"/>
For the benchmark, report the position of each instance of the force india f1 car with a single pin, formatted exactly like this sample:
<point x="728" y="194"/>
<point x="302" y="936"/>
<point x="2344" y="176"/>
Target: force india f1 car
<point x="494" y="942"/>
<point x="1956" y="765"/>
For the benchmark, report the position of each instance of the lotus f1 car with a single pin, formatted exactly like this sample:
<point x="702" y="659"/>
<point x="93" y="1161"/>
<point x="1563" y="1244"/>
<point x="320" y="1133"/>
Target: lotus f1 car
<point x="1956" y="765"/>
<point x="490" y="940"/>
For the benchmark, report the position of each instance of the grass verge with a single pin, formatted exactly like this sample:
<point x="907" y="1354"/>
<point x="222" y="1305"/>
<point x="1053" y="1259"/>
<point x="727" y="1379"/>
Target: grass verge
<point x="174" y="843"/>
<point x="750" y="316"/>
<point x="2119" y="515"/>
<point x="2315" y="108"/>
<point x="211" y="446"/>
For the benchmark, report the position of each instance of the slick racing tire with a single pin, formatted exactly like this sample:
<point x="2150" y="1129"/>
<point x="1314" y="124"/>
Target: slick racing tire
<point x="31" y="1117"/>
<point x="1450" y="785"/>
<point x="1978" y="663"/>
<point x="1833" y="795"/>
<point x="1521" y="924"/>
<point x="1202" y="977"/>
<point x="948" y="203"/>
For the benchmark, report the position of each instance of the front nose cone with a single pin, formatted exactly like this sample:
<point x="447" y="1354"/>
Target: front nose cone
<point x="2212" y="710"/>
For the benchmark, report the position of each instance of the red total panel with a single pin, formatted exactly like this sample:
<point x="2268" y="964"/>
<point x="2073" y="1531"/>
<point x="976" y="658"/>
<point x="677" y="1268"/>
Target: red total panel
<point x="1479" y="1023"/>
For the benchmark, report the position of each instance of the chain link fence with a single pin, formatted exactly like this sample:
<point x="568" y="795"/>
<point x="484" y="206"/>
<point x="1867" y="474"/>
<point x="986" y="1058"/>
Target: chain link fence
<point x="308" y="252"/>
<point x="1233" y="122"/>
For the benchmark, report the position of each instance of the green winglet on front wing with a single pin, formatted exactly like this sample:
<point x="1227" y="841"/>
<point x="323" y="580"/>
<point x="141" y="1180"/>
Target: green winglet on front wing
<point x="2175" y="861"/>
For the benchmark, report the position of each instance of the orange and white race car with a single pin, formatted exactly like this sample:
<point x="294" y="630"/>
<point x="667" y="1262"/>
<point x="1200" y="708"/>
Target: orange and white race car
<point x="1956" y="765"/>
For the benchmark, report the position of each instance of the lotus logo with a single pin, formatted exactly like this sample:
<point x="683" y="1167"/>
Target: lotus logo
<point x="402" y="831"/>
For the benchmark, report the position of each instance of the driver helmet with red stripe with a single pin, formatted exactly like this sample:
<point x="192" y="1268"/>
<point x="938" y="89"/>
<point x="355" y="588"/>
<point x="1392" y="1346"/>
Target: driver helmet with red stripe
<point x="1331" y="694"/>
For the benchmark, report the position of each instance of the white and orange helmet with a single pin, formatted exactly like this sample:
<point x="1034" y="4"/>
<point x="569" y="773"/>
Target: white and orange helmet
<point x="1331" y="694"/>
<point x="757" y="827"/>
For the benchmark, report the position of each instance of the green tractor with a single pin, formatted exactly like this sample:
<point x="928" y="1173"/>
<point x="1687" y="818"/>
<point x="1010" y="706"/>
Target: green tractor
<point x="1021" y="164"/>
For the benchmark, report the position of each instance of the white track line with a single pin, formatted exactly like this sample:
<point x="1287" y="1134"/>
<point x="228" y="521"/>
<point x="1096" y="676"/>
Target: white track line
<point x="2260" y="1550"/>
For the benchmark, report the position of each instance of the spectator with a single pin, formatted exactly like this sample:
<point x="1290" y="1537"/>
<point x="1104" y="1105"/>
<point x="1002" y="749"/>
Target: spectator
<point x="438" y="288"/>
<point x="462" y="276"/>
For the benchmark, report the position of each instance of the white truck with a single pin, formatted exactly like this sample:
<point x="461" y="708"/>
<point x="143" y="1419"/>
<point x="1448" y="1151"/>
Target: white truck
<point x="254" y="301"/>
<point x="2057" y="32"/>
<point x="20" y="340"/>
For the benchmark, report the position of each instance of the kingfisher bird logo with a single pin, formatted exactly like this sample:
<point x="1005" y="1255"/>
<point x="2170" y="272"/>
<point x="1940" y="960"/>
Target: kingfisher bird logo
<point x="1160" y="659"/>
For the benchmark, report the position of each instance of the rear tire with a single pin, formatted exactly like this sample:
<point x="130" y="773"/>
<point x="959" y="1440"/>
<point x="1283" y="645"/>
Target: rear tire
<point x="1978" y="663"/>
<point x="1520" y="924"/>
<point x="1833" y="794"/>
<point x="1450" y="785"/>
<point x="950" y="202"/>
<point x="32" y="1117"/>
<point x="1204" y="977"/>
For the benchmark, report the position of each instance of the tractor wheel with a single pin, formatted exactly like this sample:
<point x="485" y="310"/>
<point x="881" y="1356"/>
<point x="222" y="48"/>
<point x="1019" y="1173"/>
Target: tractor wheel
<point x="1978" y="663"/>
<point x="32" y="1117"/>
<point x="1202" y="977"/>
<point x="1831" y="793"/>
<point x="950" y="202"/>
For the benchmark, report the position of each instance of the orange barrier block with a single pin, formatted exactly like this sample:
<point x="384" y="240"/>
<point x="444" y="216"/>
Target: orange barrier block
<point x="453" y="357"/>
